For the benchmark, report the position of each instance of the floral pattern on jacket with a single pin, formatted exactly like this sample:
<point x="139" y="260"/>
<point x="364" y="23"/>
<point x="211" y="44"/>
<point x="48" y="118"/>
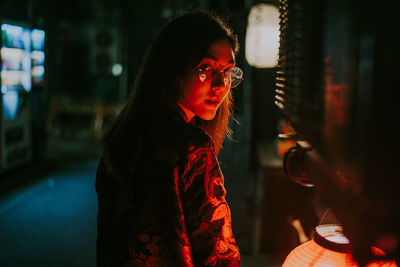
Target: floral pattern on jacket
<point x="170" y="209"/>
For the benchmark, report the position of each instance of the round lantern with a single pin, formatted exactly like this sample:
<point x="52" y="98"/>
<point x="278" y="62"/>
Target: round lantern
<point x="329" y="248"/>
<point x="262" y="36"/>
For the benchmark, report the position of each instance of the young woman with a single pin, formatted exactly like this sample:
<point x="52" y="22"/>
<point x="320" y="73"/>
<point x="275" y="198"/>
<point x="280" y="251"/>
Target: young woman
<point x="160" y="189"/>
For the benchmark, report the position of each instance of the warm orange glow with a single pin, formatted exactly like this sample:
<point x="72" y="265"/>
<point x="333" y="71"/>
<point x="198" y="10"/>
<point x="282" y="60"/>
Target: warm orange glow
<point x="284" y="146"/>
<point x="379" y="252"/>
<point x="311" y="254"/>
<point x="300" y="231"/>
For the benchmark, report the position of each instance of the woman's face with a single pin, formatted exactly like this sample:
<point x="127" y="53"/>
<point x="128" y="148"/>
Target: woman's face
<point x="205" y="87"/>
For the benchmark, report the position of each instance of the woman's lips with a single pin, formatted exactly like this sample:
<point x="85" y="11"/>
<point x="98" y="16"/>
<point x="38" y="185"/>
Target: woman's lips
<point x="214" y="103"/>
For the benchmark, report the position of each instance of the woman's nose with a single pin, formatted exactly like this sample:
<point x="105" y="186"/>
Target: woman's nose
<point x="218" y="79"/>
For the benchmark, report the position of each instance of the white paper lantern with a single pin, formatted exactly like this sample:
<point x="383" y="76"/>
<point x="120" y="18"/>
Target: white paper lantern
<point x="329" y="248"/>
<point x="262" y="36"/>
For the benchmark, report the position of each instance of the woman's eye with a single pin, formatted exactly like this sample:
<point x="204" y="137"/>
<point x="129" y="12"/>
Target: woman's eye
<point x="202" y="77"/>
<point x="228" y="71"/>
<point x="205" y="66"/>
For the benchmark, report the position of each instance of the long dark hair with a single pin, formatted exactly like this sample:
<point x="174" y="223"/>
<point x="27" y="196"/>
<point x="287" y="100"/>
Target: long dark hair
<point x="178" y="48"/>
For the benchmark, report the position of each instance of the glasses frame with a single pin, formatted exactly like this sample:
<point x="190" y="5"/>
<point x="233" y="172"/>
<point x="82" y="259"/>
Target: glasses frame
<point x="236" y="75"/>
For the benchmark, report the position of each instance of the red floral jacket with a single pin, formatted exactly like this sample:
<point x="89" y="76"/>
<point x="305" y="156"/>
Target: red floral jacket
<point x="170" y="209"/>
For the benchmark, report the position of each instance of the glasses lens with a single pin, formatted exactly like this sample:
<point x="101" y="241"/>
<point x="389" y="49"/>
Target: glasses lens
<point x="207" y="70"/>
<point x="236" y="76"/>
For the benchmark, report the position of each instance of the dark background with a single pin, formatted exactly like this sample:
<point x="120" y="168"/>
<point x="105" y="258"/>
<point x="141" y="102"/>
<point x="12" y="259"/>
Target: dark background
<point x="48" y="203"/>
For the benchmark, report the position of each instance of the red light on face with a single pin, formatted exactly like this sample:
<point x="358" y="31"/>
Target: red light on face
<point x="201" y="93"/>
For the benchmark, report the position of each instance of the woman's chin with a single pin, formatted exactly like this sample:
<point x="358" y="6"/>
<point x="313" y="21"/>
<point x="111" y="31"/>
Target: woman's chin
<point x="207" y="116"/>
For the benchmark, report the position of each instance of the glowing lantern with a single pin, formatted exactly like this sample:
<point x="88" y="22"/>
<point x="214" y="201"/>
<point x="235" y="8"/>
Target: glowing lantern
<point x="262" y="36"/>
<point x="329" y="248"/>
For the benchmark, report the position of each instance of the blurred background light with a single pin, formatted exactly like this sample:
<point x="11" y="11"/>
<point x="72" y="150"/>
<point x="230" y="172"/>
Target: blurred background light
<point x="116" y="69"/>
<point x="262" y="36"/>
<point x="10" y="105"/>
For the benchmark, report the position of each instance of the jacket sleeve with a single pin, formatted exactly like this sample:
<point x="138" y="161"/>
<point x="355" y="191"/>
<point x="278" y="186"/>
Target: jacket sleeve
<point x="206" y="211"/>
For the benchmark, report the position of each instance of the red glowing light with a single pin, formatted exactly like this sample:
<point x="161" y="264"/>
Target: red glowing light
<point x="312" y="254"/>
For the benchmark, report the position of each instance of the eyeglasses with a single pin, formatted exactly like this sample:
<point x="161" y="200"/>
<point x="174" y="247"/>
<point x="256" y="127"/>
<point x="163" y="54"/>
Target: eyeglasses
<point x="209" y="69"/>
